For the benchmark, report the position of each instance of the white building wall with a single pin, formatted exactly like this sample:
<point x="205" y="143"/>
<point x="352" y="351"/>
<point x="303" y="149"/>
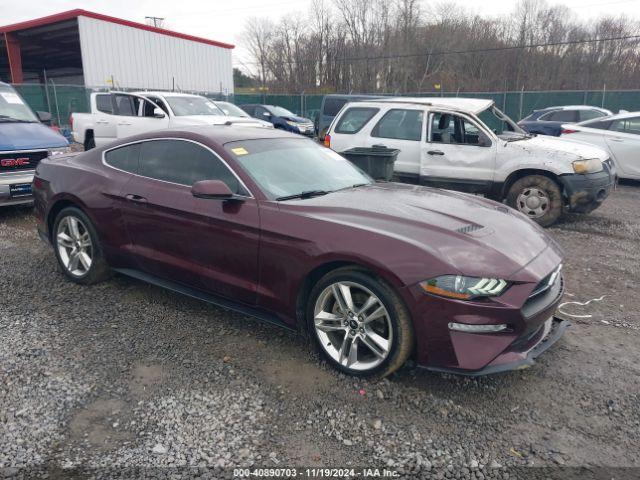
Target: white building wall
<point x="141" y="59"/>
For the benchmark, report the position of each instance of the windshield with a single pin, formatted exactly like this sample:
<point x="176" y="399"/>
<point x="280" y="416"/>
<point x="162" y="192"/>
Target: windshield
<point x="182" y="106"/>
<point x="231" y="109"/>
<point x="290" y="166"/>
<point x="280" y="112"/>
<point x="13" y="107"/>
<point x="499" y="122"/>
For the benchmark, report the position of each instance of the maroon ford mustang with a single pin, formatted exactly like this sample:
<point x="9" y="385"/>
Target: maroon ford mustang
<point x="274" y="225"/>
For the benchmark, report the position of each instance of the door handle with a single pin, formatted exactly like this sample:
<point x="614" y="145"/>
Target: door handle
<point x="614" y="139"/>
<point x="103" y="122"/>
<point x="135" y="198"/>
<point x="435" y="152"/>
<point x="123" y="123"/>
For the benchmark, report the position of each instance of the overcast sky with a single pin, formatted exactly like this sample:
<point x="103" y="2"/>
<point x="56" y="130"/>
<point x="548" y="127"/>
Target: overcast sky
<point x="224" y="19"/>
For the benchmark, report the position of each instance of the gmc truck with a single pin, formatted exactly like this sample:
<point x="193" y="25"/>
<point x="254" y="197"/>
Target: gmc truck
<point x="24" y="141"/>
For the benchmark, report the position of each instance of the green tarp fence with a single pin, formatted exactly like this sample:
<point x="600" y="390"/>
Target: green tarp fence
<point x="62" y="100"/>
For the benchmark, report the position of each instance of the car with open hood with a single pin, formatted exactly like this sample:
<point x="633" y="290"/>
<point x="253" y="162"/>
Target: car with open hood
<point x="468" y="144"/>
<point x="117" y="115"/>
<point x="275" y="226"/>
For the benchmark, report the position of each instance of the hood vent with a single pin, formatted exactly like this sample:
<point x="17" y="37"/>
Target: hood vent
<point x="472" y="227"/>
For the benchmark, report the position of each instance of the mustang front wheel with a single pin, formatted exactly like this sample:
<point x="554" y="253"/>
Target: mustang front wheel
<point x="360" y="324"/>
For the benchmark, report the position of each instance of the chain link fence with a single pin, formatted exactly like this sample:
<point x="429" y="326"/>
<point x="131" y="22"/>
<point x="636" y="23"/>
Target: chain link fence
<point x="62" y="100"/>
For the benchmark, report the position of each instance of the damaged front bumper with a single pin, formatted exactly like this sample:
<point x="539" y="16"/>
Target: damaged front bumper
<point x="554" y="329"/>
<point x="586" y="191"/>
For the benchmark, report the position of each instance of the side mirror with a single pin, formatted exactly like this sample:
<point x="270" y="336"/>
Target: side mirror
<point x="266" y="114"/>
<point x="211" y="189"/>
<point x="44" y="117"/>
<point x="158" y="113"/>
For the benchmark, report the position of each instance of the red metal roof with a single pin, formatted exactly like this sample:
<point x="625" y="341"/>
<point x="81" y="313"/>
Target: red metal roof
<point x="60" y="17"/>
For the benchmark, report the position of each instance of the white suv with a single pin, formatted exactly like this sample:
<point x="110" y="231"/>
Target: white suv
<point x="470" y="145"/>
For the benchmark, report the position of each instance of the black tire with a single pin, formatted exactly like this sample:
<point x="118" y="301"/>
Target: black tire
<point x="89" y="144"/>
<point x="555" y="204"/>
<point x="99" y="269"/>
<point x="400" y="320"/>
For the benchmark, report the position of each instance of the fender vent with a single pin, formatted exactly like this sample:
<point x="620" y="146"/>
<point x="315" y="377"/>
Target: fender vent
<point x="472" y="227"/>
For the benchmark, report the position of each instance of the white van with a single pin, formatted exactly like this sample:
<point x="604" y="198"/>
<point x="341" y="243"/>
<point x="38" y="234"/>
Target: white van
<point x="470" y="145"/>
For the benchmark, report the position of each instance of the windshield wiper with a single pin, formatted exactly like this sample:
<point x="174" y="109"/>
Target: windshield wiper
<point x="6" y="118"/>
<point x="303" y="195"/>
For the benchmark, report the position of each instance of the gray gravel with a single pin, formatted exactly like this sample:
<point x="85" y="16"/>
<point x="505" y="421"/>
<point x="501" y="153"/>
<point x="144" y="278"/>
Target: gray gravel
<point x="124" y="375"/>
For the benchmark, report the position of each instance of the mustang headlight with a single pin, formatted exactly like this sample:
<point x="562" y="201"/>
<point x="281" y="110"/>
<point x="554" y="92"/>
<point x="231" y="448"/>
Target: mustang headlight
<point x="587" y="166"/>
<point x="464" y="288"/>
<point x="54" y="152"/>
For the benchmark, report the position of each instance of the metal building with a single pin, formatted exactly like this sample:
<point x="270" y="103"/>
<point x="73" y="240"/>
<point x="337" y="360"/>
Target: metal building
<point x="86" y="48"/>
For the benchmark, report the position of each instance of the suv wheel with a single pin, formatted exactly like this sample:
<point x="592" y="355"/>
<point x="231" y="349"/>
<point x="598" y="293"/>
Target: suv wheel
<point x="77" y="247"/>
<point x="538" y="197"/>
<point x="360" y="324"/>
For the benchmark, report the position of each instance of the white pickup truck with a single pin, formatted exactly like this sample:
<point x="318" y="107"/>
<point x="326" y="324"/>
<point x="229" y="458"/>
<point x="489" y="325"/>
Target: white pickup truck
<point x="121" y="114"/>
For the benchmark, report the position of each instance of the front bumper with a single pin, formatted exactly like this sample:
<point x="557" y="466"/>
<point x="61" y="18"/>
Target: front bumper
<point x="15" y="178"/>
<point x="553" y="330"/>
<point x="586" y="192"/>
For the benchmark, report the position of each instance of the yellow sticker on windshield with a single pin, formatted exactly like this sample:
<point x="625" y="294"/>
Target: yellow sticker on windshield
<point x="239" y="151"/>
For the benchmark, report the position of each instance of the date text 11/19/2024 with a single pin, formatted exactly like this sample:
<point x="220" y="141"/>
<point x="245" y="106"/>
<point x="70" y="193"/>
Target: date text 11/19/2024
<point x="315" y="472"/>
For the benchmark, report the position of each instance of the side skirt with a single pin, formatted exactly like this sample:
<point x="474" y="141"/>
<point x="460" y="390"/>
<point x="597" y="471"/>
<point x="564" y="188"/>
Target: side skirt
<point x="206" y="297"/>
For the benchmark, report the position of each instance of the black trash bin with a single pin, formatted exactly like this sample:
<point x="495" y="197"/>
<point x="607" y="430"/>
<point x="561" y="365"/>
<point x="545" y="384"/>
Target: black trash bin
<point x="376" y="161"/>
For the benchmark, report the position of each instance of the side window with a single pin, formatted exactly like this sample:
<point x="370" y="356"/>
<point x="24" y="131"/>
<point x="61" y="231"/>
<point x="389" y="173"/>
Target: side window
<point x="262" y="113"/>
<point x="185" y="163"/>
<point x="400" y="124"/>
<point x="354" y="119"/>
<point x="148" y="109"/>
<point x="124" y="158"/>
<point x="454" y="129"/>
<point x="127" y="105"/>
<point x="250" y="109"/>
<point x="160" y="103"/>
<point x="585" y="115"/>
<point x="103" y="103"/>
<point x="627" y="125"/>
<point x="561" y="116"/>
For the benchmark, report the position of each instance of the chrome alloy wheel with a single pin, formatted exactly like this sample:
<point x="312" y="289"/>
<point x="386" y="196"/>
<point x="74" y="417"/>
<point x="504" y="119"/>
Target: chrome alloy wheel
<point x="74" y="246"/>
<point x="533" y="202"/>
<point x="353" y="326"/>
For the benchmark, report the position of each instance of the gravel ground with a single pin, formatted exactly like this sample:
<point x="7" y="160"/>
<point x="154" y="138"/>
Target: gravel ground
<point x="123" y="375"/>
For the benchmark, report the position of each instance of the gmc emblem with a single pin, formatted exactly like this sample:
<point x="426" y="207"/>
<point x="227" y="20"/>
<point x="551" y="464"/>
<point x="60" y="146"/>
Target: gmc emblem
<point x="14" y="162"/>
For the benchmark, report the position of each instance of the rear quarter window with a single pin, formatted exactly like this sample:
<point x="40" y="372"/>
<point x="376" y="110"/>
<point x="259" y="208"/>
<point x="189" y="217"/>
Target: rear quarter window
<point x="354" y="119"/>
<point x="124" y="158"/>
<point x="103" y="103"/>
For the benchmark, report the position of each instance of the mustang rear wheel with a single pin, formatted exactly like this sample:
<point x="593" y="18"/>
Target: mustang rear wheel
<point x="361" y="325"/>
<point x="77" y="247"/>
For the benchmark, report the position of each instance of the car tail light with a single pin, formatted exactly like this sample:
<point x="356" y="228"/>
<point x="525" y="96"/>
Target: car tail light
<point x="567" y="131"/>
<point x="327" y="140"/>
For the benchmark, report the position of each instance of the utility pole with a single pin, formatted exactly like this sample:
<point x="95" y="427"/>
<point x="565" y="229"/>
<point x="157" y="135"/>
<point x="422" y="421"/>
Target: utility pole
<point x="157" y="21"/>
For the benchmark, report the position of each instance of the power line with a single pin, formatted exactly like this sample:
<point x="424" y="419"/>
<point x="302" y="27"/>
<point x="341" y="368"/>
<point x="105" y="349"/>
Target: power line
<point x="475" y="50"/>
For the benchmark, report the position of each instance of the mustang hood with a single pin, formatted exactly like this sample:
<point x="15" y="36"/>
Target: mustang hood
<point x="469" y="233"/>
